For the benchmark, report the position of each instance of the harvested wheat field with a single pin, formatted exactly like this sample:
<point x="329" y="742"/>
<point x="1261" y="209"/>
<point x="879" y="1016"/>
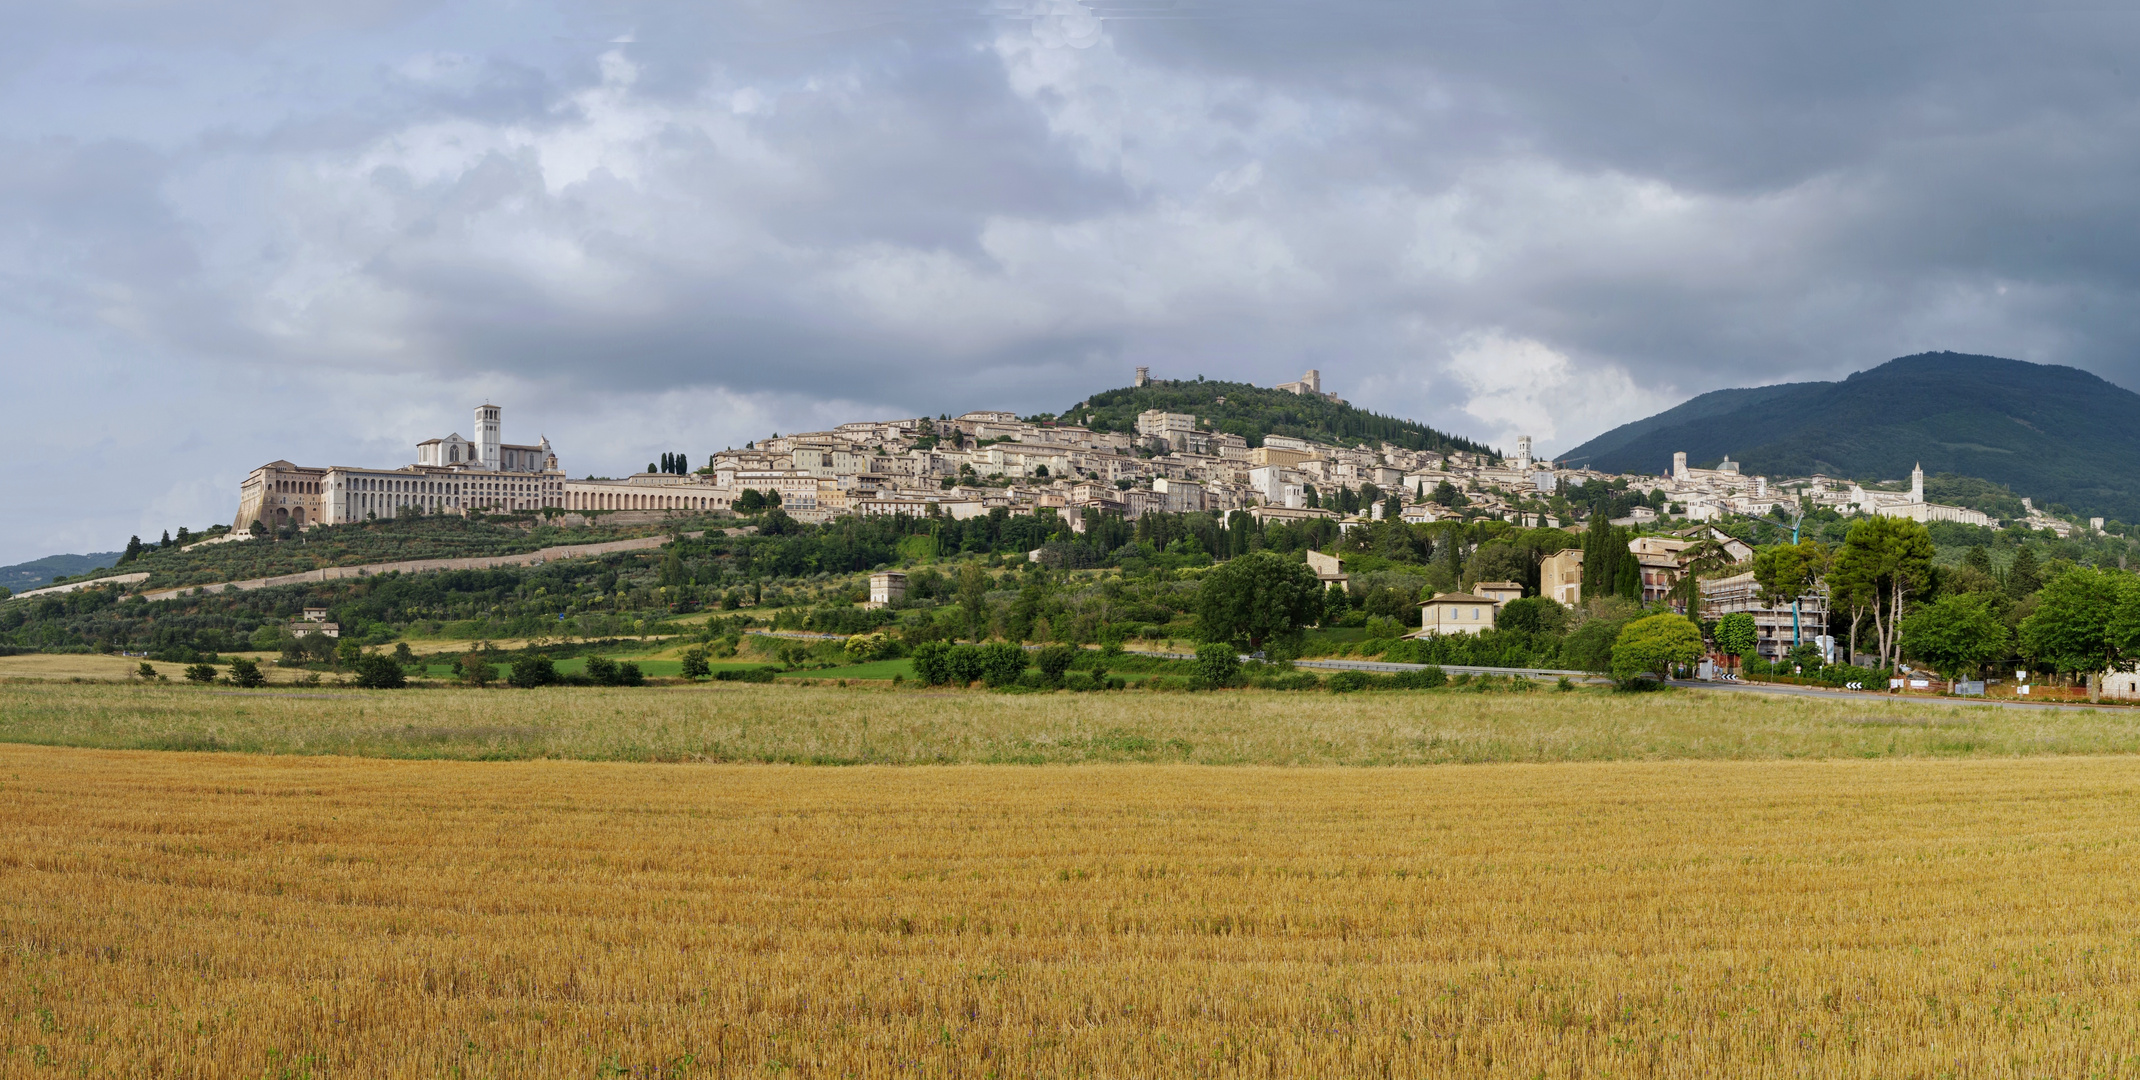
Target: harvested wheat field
<point x="210" y="915"/>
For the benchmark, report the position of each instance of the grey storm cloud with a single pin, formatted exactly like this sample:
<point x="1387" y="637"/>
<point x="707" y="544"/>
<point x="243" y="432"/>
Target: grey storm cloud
<point x="248" y="230"/>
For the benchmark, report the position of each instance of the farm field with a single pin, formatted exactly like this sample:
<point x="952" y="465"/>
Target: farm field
<point x="181" y="914"/>
<point x="866" y="723"/>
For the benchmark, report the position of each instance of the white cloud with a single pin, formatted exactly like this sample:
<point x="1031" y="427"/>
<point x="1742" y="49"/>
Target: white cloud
<point x="1519" y="386"/>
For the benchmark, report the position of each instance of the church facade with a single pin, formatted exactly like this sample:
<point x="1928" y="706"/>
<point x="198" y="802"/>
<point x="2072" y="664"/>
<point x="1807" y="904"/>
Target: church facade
<point x="452" y="475"/>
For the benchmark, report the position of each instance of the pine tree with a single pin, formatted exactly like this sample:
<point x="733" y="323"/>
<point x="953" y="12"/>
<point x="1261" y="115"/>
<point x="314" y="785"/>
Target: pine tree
<point x="2023" y="576"/>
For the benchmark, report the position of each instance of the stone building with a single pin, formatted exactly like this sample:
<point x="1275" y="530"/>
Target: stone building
<point x="451" y="475"/>
<point x="1455" y="613"/>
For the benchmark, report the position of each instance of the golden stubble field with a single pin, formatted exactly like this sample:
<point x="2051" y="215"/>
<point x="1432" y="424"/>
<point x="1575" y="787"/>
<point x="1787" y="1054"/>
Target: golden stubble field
<point x="177" y="915"/>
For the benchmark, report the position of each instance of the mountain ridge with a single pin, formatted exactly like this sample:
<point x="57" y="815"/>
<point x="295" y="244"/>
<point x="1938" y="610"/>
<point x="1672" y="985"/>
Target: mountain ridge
<point x="2058" y="433"/>
<point x="40" y="572"/>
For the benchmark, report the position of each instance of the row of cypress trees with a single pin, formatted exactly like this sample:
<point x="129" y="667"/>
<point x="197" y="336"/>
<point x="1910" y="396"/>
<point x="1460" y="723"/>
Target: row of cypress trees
<point x="1609" y="568"/>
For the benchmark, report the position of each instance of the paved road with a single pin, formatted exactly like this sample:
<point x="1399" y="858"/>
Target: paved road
<point x="1792" y="690"/>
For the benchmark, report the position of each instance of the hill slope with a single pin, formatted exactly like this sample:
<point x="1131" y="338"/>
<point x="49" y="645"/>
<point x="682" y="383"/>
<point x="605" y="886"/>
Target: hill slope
<point x="1254" y="411"/>
<point x="40" y="572"/>
<point x="2059" y="434"/>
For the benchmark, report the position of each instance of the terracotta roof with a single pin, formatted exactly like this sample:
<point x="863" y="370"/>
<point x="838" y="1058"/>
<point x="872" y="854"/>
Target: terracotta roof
<point x="1455" y="598"/>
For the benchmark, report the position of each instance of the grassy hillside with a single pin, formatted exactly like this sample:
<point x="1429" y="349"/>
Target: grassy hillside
<point x="390" y="540"/>
<point x="2058" y="434"/>
<point x="40" y="572"/>
<point x="1254" y="412"/>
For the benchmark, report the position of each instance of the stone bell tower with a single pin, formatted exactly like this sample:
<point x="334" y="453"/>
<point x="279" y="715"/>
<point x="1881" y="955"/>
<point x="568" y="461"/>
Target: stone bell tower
<point x="487" y="435"/>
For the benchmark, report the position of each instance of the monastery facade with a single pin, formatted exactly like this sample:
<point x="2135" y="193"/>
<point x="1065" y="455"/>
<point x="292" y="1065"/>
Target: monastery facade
<point x="451" y="475"/>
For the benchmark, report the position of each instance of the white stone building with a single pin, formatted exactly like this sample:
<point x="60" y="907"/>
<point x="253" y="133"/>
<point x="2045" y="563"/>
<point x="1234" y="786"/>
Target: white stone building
<point x="451" y="475"/>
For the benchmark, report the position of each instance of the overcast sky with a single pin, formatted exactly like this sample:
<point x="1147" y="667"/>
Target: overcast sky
<point x="234" y="231"/>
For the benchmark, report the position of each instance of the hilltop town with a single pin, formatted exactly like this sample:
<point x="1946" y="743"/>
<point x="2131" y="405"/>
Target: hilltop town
<point x="968" y="465"/>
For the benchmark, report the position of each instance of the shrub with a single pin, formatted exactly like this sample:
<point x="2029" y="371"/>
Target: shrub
<point x="243" y="672"/>
<point x="1001" y="663"/>
<point x="1055" y="660"/>
<point x="1278" y="679"/>
<point x="1346" y="682"/>
<point x="1426" y="678"/>
<point x="1651" y="646"/>
<point x="932" y="663"/>
<point x="1217" y="664"/>
<point x="755" y="674"/>
<point x="475" y="669"/>
<point x="965" y="663"/>
<point x="201" y="673"/>
<point x="377" y="671"/>
<point x="864" y="648"/>
<point x="532" y="671"/>
<point x="1082" y="681"/>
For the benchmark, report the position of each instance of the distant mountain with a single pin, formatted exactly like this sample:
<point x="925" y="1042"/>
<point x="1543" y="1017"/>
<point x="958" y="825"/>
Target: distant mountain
<point x="1253" y="412"/>
<point x="2058" y="434"/>
<point x="39" y="572"/>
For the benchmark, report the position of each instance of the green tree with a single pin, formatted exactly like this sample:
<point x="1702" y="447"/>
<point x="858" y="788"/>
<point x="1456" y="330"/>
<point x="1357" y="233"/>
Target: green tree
<point x="1532" y="615"/>
<point x="973" y="599"/>
<point x="1336" y="602"/>
<point x="1649" y="647"/>
<point x="1499" y="560"/>
<point x="1957" y="634"/>
<point x="2082" y="622"/>
<point x="1216" y="664"/>
<point x="1884" y="561"/>
<point x="378" y="671"/>
<point x="1786" y="572"/>
<point x="529" y="672"/>
<point x="2023" y="575"/>
<point x="200" y="673"/>
<point x="1736" y="634"/>
<point x="1704" y="556"/>
<point x="476" y="669"/>
<point x="694" y="664"/>
<point x="1001" y="663"/>
<point x="932" y="663"/>
<point x="245" y="673"/>
<point x="1055" y="661"/>
<point x="1589" y="645"/>
<point x="1609" y="567"/>
<point x="1259" y="600"/>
